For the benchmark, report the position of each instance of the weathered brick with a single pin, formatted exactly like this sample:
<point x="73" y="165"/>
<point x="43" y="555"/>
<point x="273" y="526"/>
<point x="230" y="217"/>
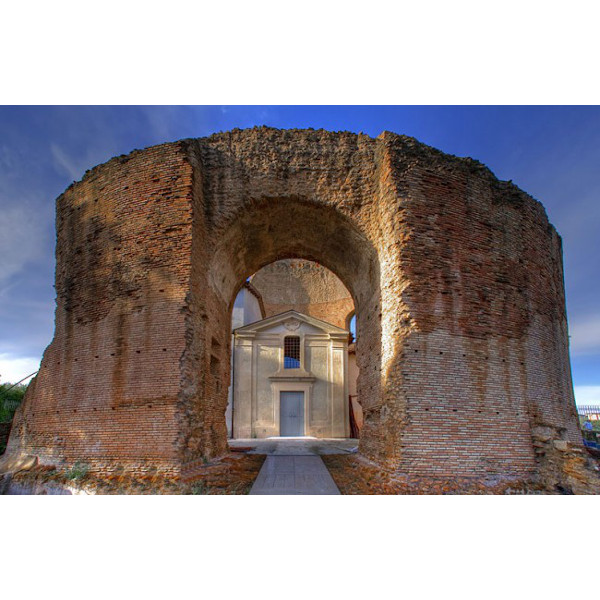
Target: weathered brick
<point x="456" y="277"/>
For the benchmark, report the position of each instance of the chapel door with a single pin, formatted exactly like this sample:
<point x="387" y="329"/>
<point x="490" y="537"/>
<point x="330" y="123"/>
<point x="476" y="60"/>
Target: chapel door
<point x="291" y="414"/>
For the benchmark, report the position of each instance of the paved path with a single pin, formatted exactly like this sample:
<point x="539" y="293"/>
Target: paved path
<point x="288" y="446"/>
<point x="285" y="475"/>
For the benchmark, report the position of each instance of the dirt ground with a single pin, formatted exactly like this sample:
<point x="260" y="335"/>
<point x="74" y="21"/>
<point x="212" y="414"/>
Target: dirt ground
<point x="235" y="473"/>
<point x="232" y="474"/>
<point x="356" y="475"/>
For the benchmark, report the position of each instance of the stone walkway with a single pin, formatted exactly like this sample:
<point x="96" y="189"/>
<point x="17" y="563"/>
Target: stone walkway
<point x="296" y="446"/>
<point x="290" y="475"/>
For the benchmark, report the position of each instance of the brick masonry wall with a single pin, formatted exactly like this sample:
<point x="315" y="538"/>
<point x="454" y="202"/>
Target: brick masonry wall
<point x="457" y="280"/>
<point x="108" y="385"/>
<point x="486" y="361"/>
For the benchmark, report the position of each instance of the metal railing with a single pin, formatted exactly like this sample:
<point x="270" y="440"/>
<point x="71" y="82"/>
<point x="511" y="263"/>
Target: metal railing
<point x="587" y="410"/>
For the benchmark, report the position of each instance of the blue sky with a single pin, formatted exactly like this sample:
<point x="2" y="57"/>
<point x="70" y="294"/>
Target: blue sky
<point x="553" y="153"/>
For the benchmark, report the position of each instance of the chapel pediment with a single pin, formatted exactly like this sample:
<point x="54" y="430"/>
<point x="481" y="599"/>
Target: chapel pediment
<point x="291" y="322"/>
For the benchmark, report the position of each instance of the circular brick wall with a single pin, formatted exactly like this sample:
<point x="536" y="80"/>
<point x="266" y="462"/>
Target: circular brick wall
<point x="456" y="278"/>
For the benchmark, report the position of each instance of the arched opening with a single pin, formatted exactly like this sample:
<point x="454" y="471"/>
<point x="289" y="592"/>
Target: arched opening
<point x="356" y="407"/>
<point x="351" y="324"/>
<point x="263" y="233"/>
<point x="290" y="325"/>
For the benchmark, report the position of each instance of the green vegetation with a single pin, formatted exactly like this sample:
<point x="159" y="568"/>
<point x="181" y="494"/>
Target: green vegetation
<point x="10" y="399"/>
<point x="595" y="424"/>
<point x="200" y="488"/>
<point x="78" y="471"/>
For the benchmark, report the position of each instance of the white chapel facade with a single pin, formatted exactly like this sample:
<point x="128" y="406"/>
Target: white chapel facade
<point x="289" y="377"/>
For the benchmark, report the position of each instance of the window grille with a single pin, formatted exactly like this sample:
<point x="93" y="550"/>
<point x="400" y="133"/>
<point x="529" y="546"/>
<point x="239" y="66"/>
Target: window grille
<point x="291" y="352"/>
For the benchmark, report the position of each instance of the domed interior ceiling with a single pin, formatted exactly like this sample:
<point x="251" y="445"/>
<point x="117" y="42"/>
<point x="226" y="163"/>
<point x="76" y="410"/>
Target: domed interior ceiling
<point x="305" y="286"/>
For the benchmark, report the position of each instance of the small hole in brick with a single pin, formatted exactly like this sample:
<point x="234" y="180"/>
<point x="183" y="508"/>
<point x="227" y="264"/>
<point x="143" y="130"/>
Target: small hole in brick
<point x="426" y="410"/>
<point x="497" y="412"/>
<point x="149" y="405"/>
<point x="454" y="410"/>
<point x="416" y="350"/>
<point x="96" y="356"/>
<point x="137" y="351"/>
<point x="161" y="290"/>
<point x="113" y="408"/>
<point x="112" y="353"/>
<point x="164" y="349"/>
<point x="94" y="410"/>
<point x="441" y="353"/>
<point x="464" y="355"/>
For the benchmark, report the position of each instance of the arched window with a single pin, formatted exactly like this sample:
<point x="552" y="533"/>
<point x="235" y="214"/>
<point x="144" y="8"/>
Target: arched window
<point x="291" y="352"/>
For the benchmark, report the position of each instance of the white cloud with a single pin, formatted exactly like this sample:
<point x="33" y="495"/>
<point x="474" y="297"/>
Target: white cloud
<point x="23" y="236"/>
<point x="73" y="168"/>
<point x="587" y="394"/>
<point x="585" y="335"/>
<point x="13" y="369"/>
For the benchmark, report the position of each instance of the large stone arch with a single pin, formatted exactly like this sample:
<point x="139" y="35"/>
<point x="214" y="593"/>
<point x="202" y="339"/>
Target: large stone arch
<point x="457" y="279"/>
<point x="258" y="234"/>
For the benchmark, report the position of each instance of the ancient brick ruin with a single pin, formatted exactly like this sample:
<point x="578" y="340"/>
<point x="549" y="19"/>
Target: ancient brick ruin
<point x="457" y="280"/>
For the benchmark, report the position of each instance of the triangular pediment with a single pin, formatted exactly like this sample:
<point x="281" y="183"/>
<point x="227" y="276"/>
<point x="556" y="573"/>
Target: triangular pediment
<point x="291" y="320"/>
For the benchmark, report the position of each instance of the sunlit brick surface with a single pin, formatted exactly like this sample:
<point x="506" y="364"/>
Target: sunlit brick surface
<point x="456" y="278"/>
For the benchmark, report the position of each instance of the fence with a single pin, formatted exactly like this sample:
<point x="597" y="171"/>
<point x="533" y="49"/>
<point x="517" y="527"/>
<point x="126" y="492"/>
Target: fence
<point x="591" y="411"/>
